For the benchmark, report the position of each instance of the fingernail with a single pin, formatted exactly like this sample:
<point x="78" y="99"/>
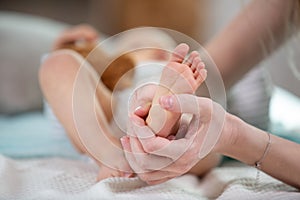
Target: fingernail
<point x="166" y="102"/>
<point x="124" y="142"/>
<point x="171" y="137"/>
<point x="138" y="108"/>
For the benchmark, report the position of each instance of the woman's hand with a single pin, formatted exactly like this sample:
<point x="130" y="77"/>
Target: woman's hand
<point x="80" y="32"/>
<point x="158" y="159"/>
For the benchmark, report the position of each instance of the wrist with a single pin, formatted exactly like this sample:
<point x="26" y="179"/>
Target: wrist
<point x="241" y="141"/>
<point x="229" y="135"/>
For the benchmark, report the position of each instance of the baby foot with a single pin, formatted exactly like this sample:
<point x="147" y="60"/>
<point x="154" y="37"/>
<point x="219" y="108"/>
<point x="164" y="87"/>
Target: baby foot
<point x="178" y="76"/>
<point x="110" y="158"/>
<point x="117" y="168"/>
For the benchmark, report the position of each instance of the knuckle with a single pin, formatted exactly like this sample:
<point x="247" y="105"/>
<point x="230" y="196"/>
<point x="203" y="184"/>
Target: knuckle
<point x="149" y="147"/>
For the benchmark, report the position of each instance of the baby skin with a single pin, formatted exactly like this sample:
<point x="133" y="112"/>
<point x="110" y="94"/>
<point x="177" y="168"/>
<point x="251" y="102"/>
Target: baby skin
<point x="179" y="76"/>
<point x="57" y="77"/>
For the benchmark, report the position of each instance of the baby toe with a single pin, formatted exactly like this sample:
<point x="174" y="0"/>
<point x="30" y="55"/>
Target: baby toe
<point x="195" y="63"/>
<point x="202" y="74"/>
<point x="191" y="58"/>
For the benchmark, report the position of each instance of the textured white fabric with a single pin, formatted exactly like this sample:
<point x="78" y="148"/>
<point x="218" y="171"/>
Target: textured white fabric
<point x="56" y="178"/>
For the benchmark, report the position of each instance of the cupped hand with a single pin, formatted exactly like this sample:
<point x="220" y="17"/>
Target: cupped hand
<point x="156" y="159"/>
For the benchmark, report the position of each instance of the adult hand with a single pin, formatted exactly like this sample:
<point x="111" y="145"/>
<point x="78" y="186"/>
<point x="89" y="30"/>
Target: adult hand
<point x="80" y="32"/>
<point x="156" y="159"/>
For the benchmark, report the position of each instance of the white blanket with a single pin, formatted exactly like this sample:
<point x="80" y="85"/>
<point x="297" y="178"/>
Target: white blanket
<point x="57" y="178"/>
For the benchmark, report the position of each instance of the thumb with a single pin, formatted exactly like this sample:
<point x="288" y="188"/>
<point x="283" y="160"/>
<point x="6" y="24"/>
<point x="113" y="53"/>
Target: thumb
<point x="186" y="103"/>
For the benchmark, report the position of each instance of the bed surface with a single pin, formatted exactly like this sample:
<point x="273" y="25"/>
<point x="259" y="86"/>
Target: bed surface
<point x="57" y="178"/>
<point x="37" y="164"/>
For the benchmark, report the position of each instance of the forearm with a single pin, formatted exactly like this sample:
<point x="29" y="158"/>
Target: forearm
<point x="281" y="160"/>
<point x="206" y="164"/>
<point x="255" y="32"/>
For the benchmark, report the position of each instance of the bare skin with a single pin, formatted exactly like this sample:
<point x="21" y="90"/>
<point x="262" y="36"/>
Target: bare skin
<point x="58" y="75"/>
<point x="57" y="79"/>
<point x="179" y="76"/>
<point x="257" y="31"/>
<point x="235" y="50"/>
<point x="238" y="140"/>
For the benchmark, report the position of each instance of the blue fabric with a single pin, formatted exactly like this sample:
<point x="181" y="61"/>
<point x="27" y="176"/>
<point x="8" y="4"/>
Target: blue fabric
<point x="31" y="135"/>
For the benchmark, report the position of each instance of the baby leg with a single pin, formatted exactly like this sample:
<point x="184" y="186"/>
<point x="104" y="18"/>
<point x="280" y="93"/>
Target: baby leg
<point x="178" y="76"/>
<point x="58" y="75"/>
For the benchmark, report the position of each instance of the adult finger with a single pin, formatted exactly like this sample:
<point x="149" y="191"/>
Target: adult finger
<point x="160" y="146"/>
<point x="147" y="162"/>
<point x="136" y="127"/>
<point x="83" y="31"/>
<point x="129" y="155"/>
<point x="187" y="103"/>
<point x="70" y="37"/>
<point x="140" y="161"/>
<point x="140" y="100"/>
<point x="147" y="142"/>
<point x="80" y="32"/>
<point x="142" y="110"/>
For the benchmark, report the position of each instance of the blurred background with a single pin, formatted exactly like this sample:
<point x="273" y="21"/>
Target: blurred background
<point x="28" y="28"/>
<point x="199" y="19"/>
